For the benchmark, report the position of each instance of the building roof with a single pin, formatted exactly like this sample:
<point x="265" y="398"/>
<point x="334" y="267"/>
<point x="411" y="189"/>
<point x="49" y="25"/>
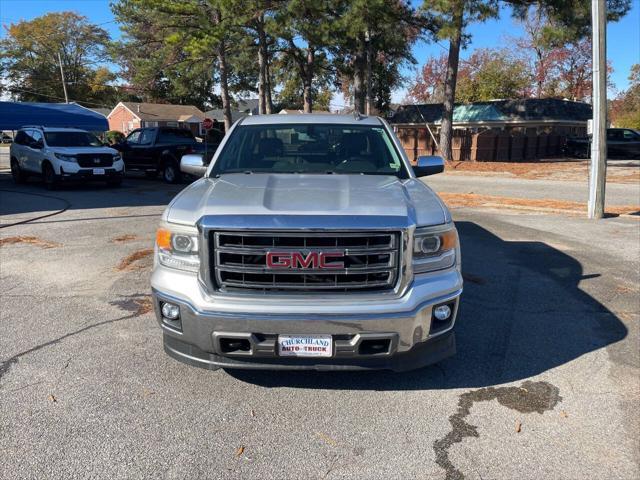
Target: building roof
<point x="290" y="111"/>
<point x="218" y="114"/>
<point x="101" y="111"/>
<point x="161" y="112"/>
<point x="14" y="115"/>
<point x="498" y="111"/>
<point x="250" y="105"/>
<point x="314" y="118"/>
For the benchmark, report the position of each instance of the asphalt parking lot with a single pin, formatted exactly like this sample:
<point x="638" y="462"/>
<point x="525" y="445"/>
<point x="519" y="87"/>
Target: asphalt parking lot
<point x="545" y="384"/>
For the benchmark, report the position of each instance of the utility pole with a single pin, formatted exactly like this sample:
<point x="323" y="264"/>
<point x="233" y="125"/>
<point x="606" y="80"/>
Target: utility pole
<point x="369" y="60"/>
<point x="598" y="170"/>
<point x="64" y="84"/>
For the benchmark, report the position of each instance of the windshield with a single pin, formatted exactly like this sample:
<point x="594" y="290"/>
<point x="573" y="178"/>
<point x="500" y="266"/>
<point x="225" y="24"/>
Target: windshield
<point x="310" y="148"/>
<point x="72" y="139"/>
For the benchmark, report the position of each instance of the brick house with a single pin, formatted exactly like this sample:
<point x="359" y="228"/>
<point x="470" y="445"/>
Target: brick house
<point x="127" y="116"/>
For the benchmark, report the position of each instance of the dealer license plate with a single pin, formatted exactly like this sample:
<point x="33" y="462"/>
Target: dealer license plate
<point x="98" y="171"/>
<point x="305" y="345"/>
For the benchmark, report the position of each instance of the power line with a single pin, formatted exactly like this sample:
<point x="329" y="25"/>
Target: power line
<point x="58" y="98"/>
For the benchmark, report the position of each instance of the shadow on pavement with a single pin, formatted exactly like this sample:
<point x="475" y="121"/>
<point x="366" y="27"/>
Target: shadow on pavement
<point x="33" y="197"/>
<point x="522" y="314"/>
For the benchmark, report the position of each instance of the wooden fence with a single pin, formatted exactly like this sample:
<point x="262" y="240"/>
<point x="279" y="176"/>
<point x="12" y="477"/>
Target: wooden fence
<point x="487" y="146"/>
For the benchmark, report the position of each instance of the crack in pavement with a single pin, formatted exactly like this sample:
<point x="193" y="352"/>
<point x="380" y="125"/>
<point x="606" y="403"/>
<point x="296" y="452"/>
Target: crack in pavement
<point x="530" y="397"/>
<point x="6" y="365"/>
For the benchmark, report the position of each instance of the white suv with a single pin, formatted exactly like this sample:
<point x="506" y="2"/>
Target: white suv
<point x="62" y="155"/>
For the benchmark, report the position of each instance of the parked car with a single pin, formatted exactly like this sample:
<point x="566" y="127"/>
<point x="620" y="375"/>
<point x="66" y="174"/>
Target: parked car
<point x="6" y="138"/>
<point x="158" y="150"/>
<point x="310" y="243"/>
<point x="63" y="155"/>
<point x="621" y="143"/>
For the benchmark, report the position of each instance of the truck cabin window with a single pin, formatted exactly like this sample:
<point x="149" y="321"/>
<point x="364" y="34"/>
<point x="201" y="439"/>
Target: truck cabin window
<point x="310" y="148"/>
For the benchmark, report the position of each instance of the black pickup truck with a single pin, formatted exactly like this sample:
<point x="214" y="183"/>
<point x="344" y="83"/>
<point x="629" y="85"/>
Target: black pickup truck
<point x="621" y="143"/>
<point x="158" y="150"/>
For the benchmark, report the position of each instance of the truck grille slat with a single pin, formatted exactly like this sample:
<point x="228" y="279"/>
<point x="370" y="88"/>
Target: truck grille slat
<point x="370" y="260"/>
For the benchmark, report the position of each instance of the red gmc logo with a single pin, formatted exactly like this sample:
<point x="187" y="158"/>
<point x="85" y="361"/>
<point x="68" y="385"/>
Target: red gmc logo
<point x="295" y="260"/>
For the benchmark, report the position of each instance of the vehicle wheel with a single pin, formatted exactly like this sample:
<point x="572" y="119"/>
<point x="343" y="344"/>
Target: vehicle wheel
<point x="171" y="172"/>
<point x="50" y="178"/>
<point x="17" y="173"/>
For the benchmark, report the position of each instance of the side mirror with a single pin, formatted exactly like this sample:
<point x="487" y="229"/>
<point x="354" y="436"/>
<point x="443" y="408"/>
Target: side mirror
<point x="39" y="145"/>
<point x="428" y="165"/>
<point x="193" y="164"/>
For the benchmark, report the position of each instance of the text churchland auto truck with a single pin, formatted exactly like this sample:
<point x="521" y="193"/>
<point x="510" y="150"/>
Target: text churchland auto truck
<point x="310" y="243"/>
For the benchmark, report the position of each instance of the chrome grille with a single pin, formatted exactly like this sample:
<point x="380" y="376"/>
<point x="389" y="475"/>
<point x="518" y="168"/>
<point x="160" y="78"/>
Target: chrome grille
<point x="371" y="260"/>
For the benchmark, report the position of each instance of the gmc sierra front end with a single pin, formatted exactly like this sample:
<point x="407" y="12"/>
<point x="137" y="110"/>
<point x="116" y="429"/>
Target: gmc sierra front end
<point x="310" y="243"/>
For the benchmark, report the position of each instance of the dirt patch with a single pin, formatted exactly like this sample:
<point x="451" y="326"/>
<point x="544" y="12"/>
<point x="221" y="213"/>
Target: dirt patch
<point x="619" y="172"/>
<point x="133" y="260"/>
<point x="531" y="397"/>
<point x="459" y="200"/>
<point x="29" y="240"/>
<point x="124" y="238"/>
<point x="135" y="304"/>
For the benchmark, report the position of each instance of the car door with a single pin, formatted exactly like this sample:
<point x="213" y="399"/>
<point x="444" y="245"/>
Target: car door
<point x="630" y="147"/>
<point x="129" y="150"/>
<point x="614" y="142"/>
<point x="35" y="151"/>
<point x="146" y="155"/>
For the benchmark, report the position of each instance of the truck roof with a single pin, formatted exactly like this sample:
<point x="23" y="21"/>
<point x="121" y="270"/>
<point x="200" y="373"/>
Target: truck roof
<point x="317" y="118"/>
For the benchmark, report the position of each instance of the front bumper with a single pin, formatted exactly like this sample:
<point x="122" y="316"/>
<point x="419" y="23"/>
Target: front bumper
<point x="412" y="338"/>
<point x="87" y="174"/>
<point x="70" y="172"/>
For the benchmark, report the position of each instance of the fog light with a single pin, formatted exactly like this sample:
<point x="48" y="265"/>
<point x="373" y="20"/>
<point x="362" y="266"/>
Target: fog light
<point x="443" y="312"/>
<point x="170" y="311"/>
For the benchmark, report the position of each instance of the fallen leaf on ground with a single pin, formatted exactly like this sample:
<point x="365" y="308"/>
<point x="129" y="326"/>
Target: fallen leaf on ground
<point x="326" y="439"/>
<point x="52" y="398"/>
<point x="30" y="240"/>
<point x="518" y="426"/>
<point x="563" y="414"/>
<point x="253" y="413"/>
<point x="146" y="392"/>
<point x="124" y="238"/>
<point x="130" y="261"/>
<point x="240" y="450"/>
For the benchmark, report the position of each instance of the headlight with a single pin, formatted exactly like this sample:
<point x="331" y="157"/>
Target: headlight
<point x="117" y="157"/>
<point x="178" y="250"/>
<point x="434" y="248"/>
<point x="66" y="158"/>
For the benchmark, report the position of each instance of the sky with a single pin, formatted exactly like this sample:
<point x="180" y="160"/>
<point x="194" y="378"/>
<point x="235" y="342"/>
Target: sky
<point x="623" y="37"/>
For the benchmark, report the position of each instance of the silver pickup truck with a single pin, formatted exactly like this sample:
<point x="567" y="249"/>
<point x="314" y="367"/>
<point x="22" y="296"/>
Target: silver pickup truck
<point x="310" y="243"/>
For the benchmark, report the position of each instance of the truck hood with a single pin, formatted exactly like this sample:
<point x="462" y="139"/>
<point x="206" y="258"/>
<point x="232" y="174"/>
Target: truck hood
<point x="83" y="150"/>
<point x="308" y="195"/>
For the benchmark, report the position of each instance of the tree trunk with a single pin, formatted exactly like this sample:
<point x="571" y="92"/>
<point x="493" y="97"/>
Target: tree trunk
<point x="224" y="85"/>
<point x="262" y="66"/>
<point x="446" y="128"/>
<point x="308" y="81"/>
<point x="224" y="74"/>
<point x="268" y="75"/>
<point x="359" y="67"/>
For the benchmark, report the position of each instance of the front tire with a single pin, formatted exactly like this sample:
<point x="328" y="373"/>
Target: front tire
<point x="50" y="177"/>
<point x="17" y="173"/>
<point x="171" y="172"/>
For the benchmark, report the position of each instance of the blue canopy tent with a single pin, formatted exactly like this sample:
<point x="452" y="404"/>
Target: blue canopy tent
<point x="14" y="115"/>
